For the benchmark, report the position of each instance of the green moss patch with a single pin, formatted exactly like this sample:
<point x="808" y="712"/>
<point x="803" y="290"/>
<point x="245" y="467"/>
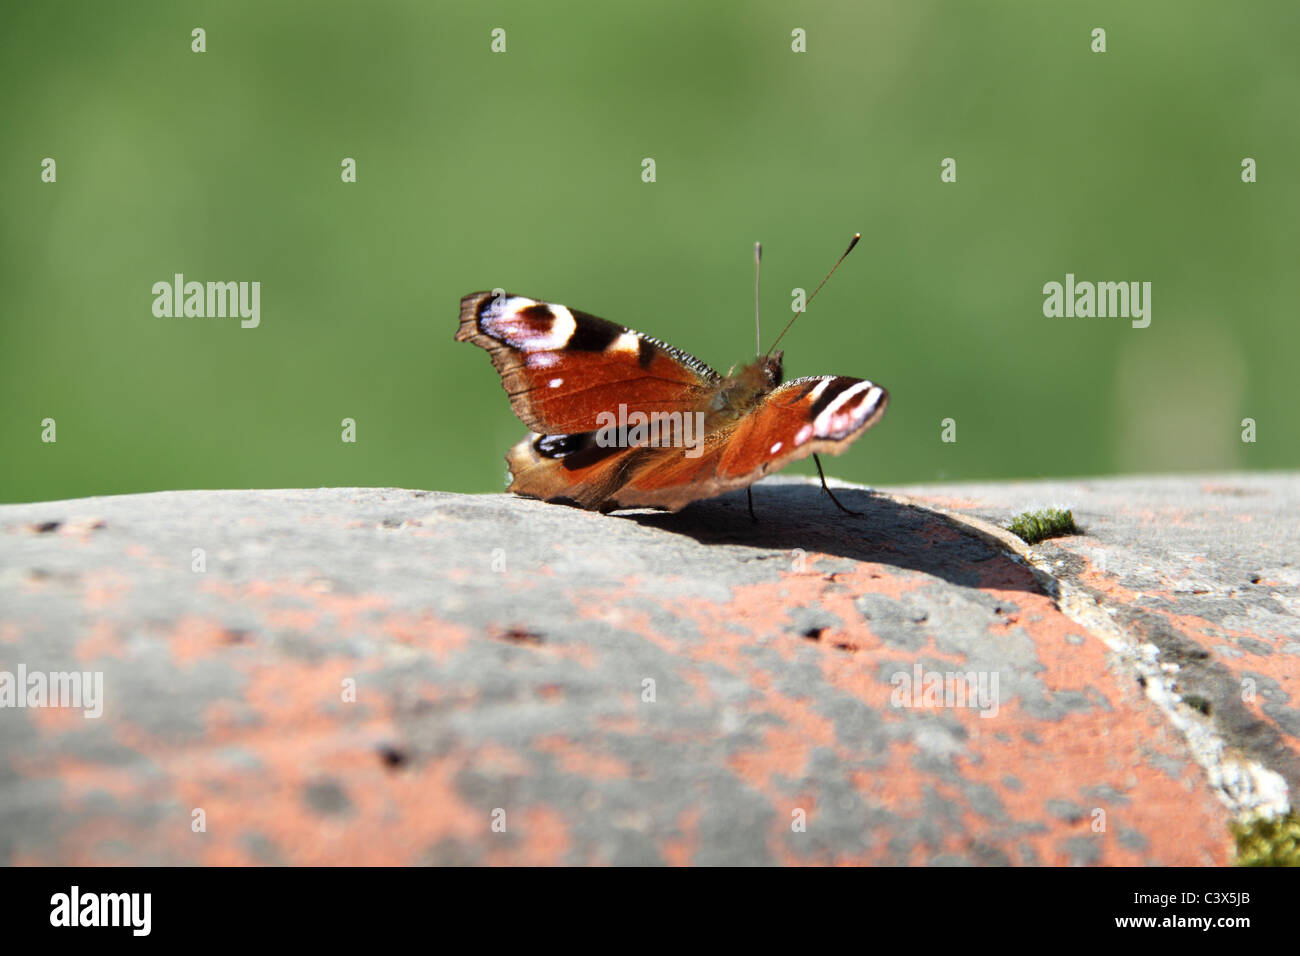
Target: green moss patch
<point x="1036" y="526"/>
<point x="1268" y="842"/>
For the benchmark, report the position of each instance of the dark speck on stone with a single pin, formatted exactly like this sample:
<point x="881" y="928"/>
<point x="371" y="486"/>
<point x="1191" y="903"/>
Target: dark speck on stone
<point x="326" y="797"/>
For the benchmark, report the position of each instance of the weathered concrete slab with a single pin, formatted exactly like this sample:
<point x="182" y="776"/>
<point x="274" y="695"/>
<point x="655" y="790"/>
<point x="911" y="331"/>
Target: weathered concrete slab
<point x="650" y="688"/>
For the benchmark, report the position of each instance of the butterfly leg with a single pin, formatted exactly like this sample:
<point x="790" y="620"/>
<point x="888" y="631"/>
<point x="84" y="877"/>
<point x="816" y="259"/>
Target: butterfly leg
<point x="749" y="492"/>
<point x="827" y="489"/>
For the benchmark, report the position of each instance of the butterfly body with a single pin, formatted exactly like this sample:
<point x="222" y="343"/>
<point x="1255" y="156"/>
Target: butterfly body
<point x="622" y="420"/>
<point x="740" y="391"/>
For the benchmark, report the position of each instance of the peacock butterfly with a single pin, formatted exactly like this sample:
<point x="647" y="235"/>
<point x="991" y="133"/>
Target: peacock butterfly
<point x="623" y="420"/>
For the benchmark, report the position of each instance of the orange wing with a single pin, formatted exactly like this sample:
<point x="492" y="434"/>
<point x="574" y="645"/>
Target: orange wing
<point x="562" y="368"/>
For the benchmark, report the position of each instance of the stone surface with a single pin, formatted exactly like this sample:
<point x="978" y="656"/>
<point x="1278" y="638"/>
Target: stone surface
<point x="652" y="688"/>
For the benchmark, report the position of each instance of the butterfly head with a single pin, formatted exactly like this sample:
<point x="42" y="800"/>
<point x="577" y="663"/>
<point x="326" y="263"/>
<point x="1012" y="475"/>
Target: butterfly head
<point x="745" y="385"/>
<point x="773" y="370"/>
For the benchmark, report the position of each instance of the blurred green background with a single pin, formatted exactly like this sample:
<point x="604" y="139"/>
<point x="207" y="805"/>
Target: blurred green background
<point x="523" y="170"/>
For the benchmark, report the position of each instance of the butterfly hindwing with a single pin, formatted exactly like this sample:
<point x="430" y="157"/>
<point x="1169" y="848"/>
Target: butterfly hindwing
<point x="570" y="468"/>
<point x="562" y="367"/>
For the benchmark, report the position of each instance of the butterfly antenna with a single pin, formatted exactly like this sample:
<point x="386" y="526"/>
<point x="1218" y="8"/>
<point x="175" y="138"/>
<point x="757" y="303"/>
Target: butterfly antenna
<point x="852" y="242"/>
<point x="758" y="268"/>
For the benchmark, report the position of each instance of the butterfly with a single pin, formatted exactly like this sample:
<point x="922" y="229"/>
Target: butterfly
<point x="623" y="420"/>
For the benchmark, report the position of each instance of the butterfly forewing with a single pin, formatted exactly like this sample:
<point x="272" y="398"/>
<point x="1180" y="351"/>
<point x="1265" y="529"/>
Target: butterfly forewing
<point x="563" y="368"/>
<point x="822" y="414"/>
